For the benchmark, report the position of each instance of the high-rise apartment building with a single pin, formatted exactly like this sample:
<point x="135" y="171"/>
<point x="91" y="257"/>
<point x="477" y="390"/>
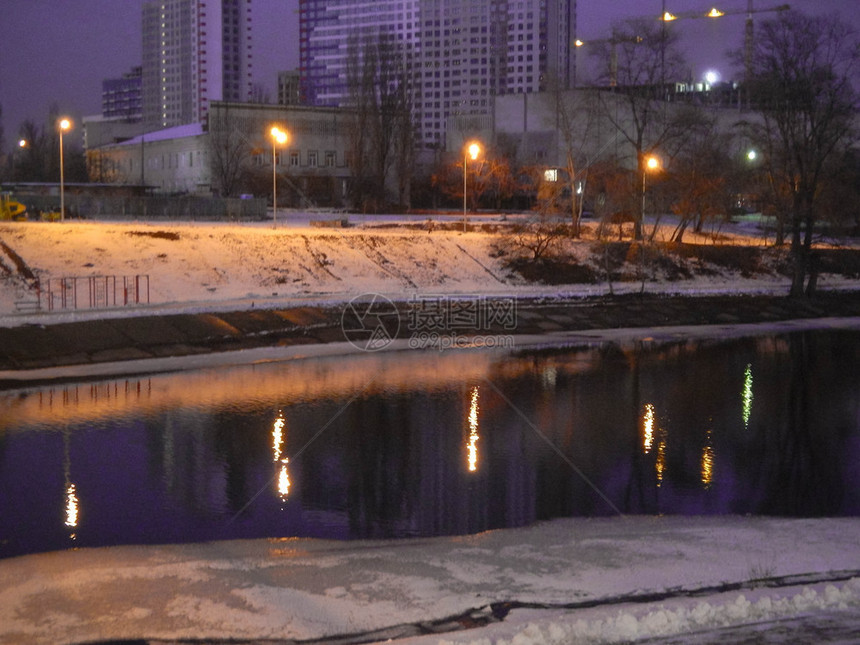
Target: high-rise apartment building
<point x="121" y="96"/>
<point x="194" y="52"/>
<point x="289" y="88"/>
<point x="462" y="53"/>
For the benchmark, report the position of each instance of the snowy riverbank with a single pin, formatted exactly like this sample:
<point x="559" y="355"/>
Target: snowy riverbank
<point x="567" y="581"/>
<point x="191" y="267"/>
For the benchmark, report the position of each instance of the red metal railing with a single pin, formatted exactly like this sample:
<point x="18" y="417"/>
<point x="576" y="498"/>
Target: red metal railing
<point x="92" y="292"/>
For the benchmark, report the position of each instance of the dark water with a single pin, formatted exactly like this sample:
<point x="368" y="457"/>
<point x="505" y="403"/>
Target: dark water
<point x="428" y="443"/>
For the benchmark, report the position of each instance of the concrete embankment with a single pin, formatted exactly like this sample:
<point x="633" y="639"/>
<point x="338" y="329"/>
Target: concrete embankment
<point x="37" y="347"/>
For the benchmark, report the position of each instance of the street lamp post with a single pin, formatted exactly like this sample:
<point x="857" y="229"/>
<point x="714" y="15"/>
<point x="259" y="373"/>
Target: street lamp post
<point x="278" y="137"/>
<point x="65" y="124"/>
<point x="472" y="150"/>
<point x="22" y="145"/>
<point x="651" y="163"/>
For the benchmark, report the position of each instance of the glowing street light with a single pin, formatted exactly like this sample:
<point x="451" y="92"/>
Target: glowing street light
<point x="64" y="125"/>
<point x="23" y="144"/>
<point x="473" y="150"/>
<point x="278" y="137"/>
<point x="651" y="163"/>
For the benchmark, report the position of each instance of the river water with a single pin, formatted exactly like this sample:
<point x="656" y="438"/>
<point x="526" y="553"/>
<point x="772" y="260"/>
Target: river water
<point x="400" y="444"/>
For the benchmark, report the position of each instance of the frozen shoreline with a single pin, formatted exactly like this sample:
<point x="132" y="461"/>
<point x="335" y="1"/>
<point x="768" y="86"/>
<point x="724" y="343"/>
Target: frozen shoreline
<point x="306" y="589"/>
<point x="522" y="341"/>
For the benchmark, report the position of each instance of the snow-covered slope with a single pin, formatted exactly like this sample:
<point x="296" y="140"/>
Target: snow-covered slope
<point x="218" y="265"/>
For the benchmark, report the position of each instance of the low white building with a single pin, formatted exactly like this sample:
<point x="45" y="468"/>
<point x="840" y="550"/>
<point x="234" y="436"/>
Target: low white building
<point x="175" y="160"/>
<point x="233" y="153"/>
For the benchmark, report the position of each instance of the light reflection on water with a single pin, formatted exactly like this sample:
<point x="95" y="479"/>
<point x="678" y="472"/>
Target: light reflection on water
<point x="409" y="444"/>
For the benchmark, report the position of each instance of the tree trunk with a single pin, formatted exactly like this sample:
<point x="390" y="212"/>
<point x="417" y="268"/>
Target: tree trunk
<point x="800" y="257"/>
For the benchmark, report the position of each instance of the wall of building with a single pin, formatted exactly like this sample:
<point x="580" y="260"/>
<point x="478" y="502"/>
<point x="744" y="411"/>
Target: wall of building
<point x="316" y="151"/>
<point x="189" y="159"/>
<point x="172" y="161"/>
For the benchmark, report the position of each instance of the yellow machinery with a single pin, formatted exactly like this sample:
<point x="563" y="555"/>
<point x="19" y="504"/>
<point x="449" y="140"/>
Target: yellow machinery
<point x="10" y="209"/>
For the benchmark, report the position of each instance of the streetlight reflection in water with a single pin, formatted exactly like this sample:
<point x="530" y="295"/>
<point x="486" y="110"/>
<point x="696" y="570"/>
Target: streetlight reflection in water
<point x="406" y="456"/>
<point x="472" y="446"/>
<point x="278" y="441"/>
<point x="747" y="394"/>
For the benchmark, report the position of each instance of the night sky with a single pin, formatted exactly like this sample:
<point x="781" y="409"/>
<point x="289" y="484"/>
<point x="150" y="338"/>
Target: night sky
<point x="59" y="52"/>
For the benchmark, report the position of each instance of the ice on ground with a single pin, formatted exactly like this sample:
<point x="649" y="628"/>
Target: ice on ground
<point x="306" y="589"/>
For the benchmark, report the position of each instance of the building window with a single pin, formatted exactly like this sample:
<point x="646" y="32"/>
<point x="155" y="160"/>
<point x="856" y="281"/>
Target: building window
<point x="294" y="158"/>
<point x="330" y="158"/>
<point x="312" y="159"/>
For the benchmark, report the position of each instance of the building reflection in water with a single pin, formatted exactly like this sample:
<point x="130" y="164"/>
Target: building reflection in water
<point x="278" y="443"/>
<point x="472" y="445"/>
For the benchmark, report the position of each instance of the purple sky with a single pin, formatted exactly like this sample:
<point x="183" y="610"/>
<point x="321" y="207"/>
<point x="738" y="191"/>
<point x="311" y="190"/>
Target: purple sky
<point x="59" y="52"/>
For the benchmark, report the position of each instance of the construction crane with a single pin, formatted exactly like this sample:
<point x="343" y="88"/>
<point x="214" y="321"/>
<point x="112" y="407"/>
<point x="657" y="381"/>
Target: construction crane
<point x="667" y="17"/>
<point x="613" y="52"/>
<point x="718" y="13"/>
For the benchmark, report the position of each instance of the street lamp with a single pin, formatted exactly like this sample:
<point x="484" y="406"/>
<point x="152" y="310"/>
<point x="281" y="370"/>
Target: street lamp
<point x="64" y="124"/>
<point x="473" y="150"/>
<point x="278" y="137"/>
<point x="651" y="163"/>
<point x="22" y="144"/>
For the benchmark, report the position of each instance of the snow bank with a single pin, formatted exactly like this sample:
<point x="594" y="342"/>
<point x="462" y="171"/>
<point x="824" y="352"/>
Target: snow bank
<point x="306" y="589"/>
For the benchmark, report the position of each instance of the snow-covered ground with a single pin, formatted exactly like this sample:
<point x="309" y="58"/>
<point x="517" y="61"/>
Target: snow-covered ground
<point x="206" y="266"/>
<point x="567" y="581"/>
<point x="644" y="576"/>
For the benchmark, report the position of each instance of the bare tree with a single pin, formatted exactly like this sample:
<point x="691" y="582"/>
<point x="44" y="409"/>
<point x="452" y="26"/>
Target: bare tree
<point x="700" y="180"/>
<point x="576" y="116"/>
<point x="803" y="68"/>
<point x="40" y="159"/>
<point x="639" y="60"/>
<point x="230" y="152"/>
<point x="103" y="168"/>
<point x="382" y="138"/>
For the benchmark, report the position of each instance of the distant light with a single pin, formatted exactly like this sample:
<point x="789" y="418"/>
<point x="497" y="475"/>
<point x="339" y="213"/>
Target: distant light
<point x="751" y="155"/>
<point x="578" y="42"/>
<point x="712" y="76"/>
<point x="22" y="143"/>
<point x="652" y="162"/>
<point x="550" y="174"/>
<point x="715" y="13"/>
<point x="668" y="17"/>
<point x="65" y="124"/>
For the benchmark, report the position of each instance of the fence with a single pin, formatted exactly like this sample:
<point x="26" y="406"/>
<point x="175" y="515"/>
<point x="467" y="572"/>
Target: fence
<point x="92" y="292"/>
<point x="157" y="207"/>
